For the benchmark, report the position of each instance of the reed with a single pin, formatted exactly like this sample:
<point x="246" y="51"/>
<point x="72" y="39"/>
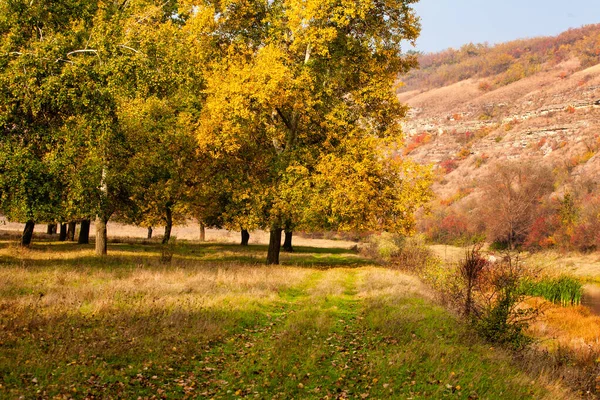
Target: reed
<point x="564" y="290"/>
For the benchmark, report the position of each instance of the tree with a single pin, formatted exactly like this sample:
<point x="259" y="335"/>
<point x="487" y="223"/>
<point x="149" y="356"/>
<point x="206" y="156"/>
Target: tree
<point x="36" y="39"/>
<point x="58" y="109"/>
<point x="512" y="194"/>
<point x="294" y="81"/>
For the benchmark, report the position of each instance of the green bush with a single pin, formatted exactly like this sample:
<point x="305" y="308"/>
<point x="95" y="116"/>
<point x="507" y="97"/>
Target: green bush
<point x="502" y="323"/>
<point x="409" y="253"/>
<point x="384" y="247"/>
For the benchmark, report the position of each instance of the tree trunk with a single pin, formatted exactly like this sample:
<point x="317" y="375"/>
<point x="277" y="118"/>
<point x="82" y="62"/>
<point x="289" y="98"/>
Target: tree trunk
<point x="71" y="231"/>
<point x="168" y="226"/>
<point x="101" y="237"/>
<point x="149" y="232"/>
<point x="245" y="237"/>
<point x="202" y="232"/>
<point x="84" y="232"/>
<point x="63" y="233"/>
<point x="27" y="233"/>
<point x="51" y="229"/>
<point x="287" y="243"/>
<point x="274" y="247"/>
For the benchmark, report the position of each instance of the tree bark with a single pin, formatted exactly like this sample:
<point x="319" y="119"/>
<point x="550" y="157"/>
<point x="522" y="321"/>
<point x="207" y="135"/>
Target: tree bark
<point x="27" y="233"/>
<point x="168" y="226"/>
<point x="287" y="243"/>
<point x="51" y="229"/>
<point x="101" y="237"/>
<point x="62" y="236"/>
<point x="274" y="246"/>
<point x="245" y="237"/>
<point x="149" y="232"/>
<point x="84" y="232"/>
<point x="202" y="232"/>
<point x="71" y="231"/>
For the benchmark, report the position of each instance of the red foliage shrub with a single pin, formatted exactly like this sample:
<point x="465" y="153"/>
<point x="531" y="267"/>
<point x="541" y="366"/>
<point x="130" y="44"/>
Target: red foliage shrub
<point x="453" y="226"/>
<point x="449" y="165"/>
<point x="417" y="141"/>
<point x="540" y="234"/>
<point x="585" y="237"/>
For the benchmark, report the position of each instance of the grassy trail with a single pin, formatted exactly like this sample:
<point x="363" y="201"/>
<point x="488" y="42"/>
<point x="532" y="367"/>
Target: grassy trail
<point x="123" y="329"/>
<point x="333" y="338"/>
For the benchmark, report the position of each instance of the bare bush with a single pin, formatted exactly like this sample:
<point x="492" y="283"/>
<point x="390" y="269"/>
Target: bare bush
<point x="512" y="194"/>
<point x="490" y="296"/>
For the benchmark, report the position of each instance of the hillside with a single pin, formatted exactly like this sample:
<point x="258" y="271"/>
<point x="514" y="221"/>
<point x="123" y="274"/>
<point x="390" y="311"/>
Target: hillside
<point x="547" y="117"/>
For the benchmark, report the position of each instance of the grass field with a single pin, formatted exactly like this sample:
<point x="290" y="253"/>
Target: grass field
<point x="217" y="323"/>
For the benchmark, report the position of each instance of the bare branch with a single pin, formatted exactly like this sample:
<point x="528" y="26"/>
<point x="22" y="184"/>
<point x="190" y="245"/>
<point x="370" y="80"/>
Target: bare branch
<point x="82" y="51"/>
<point x="130" y="48"/>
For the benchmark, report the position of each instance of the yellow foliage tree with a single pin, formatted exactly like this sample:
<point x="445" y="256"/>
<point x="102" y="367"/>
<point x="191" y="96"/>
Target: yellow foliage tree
<point x="303" y="90"/>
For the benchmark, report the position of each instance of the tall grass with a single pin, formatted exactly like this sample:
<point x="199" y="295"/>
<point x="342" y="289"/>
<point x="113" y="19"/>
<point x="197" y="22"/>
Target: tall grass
<point x="564" y="290"/>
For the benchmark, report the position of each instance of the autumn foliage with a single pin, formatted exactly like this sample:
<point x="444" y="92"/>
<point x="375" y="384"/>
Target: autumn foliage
<point x="507" y="62"/>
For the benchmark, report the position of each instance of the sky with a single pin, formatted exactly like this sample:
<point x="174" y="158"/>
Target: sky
<point x="452" y="23"/>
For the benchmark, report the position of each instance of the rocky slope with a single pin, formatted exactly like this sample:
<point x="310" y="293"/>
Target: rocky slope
<point x="550" y="117"/>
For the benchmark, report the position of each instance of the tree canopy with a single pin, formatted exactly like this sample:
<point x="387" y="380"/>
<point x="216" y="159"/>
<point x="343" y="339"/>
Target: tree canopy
<point x="244" y="114"/>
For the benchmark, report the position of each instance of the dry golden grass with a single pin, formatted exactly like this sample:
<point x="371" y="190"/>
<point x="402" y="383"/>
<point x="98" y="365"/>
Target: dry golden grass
<point x="447" y="253"/>
<point x="571" y="329"/>
<point x="215" y="322"/>
<point x="377" y="282"/>
<point x="584" y="266"/>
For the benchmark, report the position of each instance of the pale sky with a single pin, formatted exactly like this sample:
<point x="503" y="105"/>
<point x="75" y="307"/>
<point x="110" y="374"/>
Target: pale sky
<point x="452" y="23"/>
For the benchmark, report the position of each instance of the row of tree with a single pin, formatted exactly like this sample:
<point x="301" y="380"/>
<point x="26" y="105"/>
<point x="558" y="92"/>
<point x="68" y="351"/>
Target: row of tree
<point x="243" y="114"/>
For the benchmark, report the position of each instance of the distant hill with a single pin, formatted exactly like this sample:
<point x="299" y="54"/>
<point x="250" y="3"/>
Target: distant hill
<point x="531" y="100"/>
<point x="505" y="63"/>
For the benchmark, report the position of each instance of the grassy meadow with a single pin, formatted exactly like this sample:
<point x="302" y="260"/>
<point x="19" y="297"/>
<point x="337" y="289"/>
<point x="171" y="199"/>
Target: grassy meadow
<point x="216" y="322"/>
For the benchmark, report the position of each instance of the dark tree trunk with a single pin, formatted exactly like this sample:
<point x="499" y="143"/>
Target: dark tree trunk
<point x="27" y="233"/>
<point x="168" y="226"/>
<point x="71" y="231"/>
<point x="51" y="229"/>
<point x="84" y="232"/>
<point x="149" y="232"/>
<point x="287" y="243"/>
<point x="274" y="247"/>
<point x="245" y="237"/>
<point x="101" y="237"/>
<point x="63" y="233"/>
<point x="202" y="232"/>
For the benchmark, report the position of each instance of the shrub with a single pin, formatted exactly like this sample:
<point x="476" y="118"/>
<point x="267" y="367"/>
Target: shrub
<point x="407" y="253"/>
<point x="500" y="317"/>
<point x="470" y="270"/>
<point x="383" y="247"/>
<point x="417" y="142"/>
<point x="485" y="86"/>
<point x="490" y="297"/>
<point x="464" y="153"/>
<point x="449" y="165"/>
<point x="414" y="255"/>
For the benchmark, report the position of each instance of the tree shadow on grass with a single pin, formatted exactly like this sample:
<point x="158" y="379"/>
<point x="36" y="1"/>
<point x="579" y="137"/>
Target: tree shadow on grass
<point x="126" y="256"/>
<point x="113" y="346"/>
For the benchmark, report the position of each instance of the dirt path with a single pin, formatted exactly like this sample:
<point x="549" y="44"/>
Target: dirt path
<point x="591" y="297"/>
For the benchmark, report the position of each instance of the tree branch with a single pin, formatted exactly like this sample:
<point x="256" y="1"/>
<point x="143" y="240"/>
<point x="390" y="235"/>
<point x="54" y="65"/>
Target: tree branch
<point x="285" y="120"/>
<point x="129" y="48"/>
<point x="82" y="51"/>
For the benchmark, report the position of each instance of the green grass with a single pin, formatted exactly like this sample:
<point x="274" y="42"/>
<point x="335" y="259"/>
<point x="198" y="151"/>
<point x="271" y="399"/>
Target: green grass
<point x="565" y="291"/>
<point x="207" y="326"/>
